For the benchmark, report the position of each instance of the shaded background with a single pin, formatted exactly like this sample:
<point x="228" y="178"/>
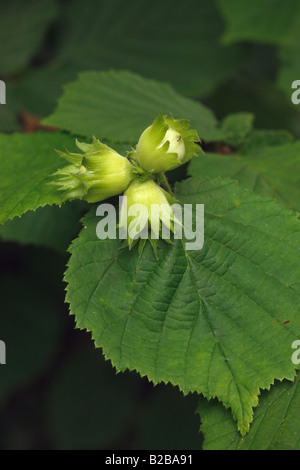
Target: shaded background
<point x="57" y="391"/>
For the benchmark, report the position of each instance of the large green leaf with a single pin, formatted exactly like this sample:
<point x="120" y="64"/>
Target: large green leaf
<point x="250" y="91"/>
<point x="184" y="50"/>
<point x="275" y="424"/>
<point x="22" y="26"/>
<point x="34" y="92"/>
<point x="289" y="56"/>
<point x="270" y="170"/>
<point x="260" y="21"/>
<point x="211" y="321"/>
<point x="175" y="43"/>
<point x="26" y="162"/>
<point x="119" y="105"/>
<point x="49" y="226"/>
<point x="233" y="129"/>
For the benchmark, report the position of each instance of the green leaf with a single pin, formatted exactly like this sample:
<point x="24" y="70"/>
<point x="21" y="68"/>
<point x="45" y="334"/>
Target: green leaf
<point x="270" y="170"/>
<point x="49" y="226"/>
<point x="266" y="138"/>
<point x="22" y="27"/>
<point x="275" y="424"/>
<point x="289" y="57"/>
<point x="34" y="92"/>
<point x="174" y="43"/>
<point x="233" y="129"/>
<point x="179" y="47"/>
<point x="26" y="163"/>
<point x="210" y="321"/>
<point x="118" y="106"/>
<point x="265" y="21"/>
<point x="253" y="93"/>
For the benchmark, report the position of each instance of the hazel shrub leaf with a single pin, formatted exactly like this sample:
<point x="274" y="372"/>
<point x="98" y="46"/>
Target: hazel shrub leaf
<point x="26" y="163"/>
<point x="210" y="321"/>
<point x="22" y="27"/>
<point x="36" y="92"/>
<point x="233" y="129"/>
<point x="275" y="423"/>
<point x="267" y="21"/>
<point x="50" y="226"/>
<point x="183" y="49"/>
<point x="270" y="170"/>
<point x="118" y="106"/>
<point x="178" y="43"/>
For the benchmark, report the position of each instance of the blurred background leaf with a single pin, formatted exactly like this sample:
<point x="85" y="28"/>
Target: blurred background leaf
<point x="178" y="43"/>
<point x="22" y="29"/>
<point x="32" y="314"/>
<point x="178" y="421"/>
<point x="274" y="23"/>
<point x="89" y="405"/>
<point x="50" y="226"/>
<point x="174" y="42"/>
<point x="266" y="21"/>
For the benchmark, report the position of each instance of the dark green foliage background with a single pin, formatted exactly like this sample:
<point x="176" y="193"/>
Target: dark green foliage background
<point x="58" y="391"/>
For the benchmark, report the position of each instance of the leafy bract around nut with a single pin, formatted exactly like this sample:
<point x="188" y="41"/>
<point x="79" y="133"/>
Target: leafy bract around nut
<point x="96" y="175"/>
<point x="166" y="144"/>
<point x="100" y="172"/>
<point x="146" y="207"/>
